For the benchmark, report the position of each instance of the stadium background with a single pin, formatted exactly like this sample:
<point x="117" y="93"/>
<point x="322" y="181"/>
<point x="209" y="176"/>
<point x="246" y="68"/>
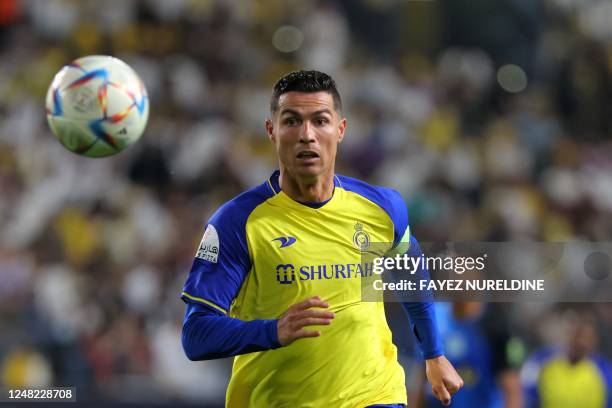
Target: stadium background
<point x="492" y="118"/>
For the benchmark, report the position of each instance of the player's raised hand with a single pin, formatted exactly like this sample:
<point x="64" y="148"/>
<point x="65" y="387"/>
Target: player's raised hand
<point x="306" y="313"/>
<point x="444" y="380"/>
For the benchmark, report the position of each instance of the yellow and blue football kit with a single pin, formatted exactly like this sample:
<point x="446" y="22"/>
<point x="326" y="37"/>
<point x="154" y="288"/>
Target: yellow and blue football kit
<point x="263" y="252"/>
<point x="550" y="380"/>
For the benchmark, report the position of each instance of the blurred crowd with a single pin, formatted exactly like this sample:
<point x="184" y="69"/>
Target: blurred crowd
<point x="492" y="118"/>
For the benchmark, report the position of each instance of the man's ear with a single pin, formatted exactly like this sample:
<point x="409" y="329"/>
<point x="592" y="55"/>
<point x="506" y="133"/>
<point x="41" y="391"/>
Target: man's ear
<point x="341" y="130"/>
<point x="270" y="130"/>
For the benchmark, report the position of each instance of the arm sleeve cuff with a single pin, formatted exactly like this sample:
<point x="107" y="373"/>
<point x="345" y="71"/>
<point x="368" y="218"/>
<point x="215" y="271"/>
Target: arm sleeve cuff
<point x="271" y="327"/>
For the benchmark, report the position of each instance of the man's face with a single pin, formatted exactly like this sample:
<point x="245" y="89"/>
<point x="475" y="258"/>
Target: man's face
<point x="306" y="130"/>
<point x="582" y="341"/>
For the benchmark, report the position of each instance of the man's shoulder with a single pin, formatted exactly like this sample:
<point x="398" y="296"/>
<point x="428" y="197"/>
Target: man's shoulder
<point x="237" y="210"/>
<point x="538" y="359"/>
<point x="388" y="198"/>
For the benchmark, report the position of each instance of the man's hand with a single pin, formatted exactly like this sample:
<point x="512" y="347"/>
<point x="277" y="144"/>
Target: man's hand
<point x="443" y="378"/>
<point x="291" y="325"/>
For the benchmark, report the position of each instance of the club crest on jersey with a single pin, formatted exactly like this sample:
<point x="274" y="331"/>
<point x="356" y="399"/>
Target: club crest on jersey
<point x="209" y="246"/>
<point x="361" y="239"/>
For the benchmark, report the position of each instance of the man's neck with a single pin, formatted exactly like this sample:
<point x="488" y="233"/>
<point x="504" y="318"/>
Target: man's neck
<point x="314" y="190"/>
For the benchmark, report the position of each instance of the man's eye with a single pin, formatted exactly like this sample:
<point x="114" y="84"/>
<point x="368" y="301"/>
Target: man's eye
<point x="291" y="121"/>
<point x="321" y="121"/>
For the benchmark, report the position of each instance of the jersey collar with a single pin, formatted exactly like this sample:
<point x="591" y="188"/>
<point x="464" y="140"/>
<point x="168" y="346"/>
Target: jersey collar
<point x="273" y="184"/>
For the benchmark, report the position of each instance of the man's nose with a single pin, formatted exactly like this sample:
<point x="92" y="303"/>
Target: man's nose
<point x="307" y="134"/>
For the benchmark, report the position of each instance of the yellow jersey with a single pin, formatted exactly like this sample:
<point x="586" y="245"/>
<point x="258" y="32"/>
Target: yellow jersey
<point x="263" y="252"/>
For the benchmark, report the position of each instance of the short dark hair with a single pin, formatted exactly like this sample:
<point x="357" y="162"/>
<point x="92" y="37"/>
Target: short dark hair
<point x="305" y="81"/>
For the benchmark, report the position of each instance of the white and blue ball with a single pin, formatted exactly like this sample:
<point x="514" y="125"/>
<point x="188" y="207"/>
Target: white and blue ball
<point x="97" y="106"/>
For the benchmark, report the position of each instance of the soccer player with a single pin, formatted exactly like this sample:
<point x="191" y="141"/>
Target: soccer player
<point x="572" y="375"/>
<point x="276" y="280"/>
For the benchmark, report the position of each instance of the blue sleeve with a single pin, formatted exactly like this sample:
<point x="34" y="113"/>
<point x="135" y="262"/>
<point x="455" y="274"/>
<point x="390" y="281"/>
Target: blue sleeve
<point x="209" y="334"/>
<point x="605" y="366"/>
<point x="422" y="314"/>
<point x="530" y="375"/>
<point x="222" y="260"/>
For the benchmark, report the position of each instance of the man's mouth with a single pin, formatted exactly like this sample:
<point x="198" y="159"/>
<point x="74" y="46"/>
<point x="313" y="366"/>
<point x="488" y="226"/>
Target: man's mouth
<point x="307" y="154"/>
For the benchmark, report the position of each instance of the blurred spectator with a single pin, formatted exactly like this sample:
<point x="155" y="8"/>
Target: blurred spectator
<point x="571" y="375"/>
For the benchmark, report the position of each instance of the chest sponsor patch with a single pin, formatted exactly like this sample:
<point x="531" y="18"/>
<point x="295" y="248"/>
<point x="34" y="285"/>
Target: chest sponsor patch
<point x="209" y="246"/>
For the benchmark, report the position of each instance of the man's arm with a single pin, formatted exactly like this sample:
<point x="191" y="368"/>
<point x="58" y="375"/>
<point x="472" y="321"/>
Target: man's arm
<point x="422" y="317"/>
<point x="441" y="374"/>
<point x="510" y="384"/>
<point x="422" y="313"/>
<point x="209" y="334"/>
<point x="219" y="268"/>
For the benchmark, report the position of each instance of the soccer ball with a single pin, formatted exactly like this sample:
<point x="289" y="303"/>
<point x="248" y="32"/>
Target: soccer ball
<point x="97" y="106"/>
